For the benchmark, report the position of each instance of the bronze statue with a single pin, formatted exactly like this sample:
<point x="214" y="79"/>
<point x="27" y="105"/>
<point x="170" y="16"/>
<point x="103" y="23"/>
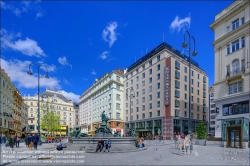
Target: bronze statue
<point x="77" y="133"/>
<point x="104" y="129"/>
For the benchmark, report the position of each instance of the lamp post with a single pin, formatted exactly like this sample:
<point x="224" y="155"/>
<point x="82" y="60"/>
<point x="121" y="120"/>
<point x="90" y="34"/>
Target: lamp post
<point x="131" y="95"/>
<point x="46" y="76"/>
<point x="185" y="44"/>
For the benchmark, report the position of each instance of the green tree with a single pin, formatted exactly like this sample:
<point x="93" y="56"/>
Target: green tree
<point x="201" y="131"/>
<point x="50" y="120"/>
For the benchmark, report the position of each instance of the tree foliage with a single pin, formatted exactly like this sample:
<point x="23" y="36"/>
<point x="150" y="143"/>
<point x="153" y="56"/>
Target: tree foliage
<point x="201" y="131"/>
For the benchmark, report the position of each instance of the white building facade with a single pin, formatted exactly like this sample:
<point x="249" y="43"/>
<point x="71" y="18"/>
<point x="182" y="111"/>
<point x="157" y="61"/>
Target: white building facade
<point x="212" y="112"/>
<point x="231" y="87"/>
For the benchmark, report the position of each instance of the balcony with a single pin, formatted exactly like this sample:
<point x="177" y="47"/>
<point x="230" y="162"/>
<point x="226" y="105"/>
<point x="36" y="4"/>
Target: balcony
<point x="236" y="73"/>
<point x="204" y="102"/>
<point x="119" y="99"/>
<point x="118" y="109"/>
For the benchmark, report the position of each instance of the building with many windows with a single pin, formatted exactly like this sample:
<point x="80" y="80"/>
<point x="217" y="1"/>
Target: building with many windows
<point x="53" y="101"/>
<point x="24" y="121"/>
<point x="17" y="112"/>
<point x="157" y="95"/>
<point x="106" y="94"/>
<point x="76" y="117"/>
<point x="212" y="112"/>
<point x="6" y="104"/>
<point x="232" y="76"/>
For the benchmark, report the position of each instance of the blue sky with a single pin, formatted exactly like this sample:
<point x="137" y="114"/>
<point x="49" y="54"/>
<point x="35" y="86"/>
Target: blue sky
<point x="80" y="41"/>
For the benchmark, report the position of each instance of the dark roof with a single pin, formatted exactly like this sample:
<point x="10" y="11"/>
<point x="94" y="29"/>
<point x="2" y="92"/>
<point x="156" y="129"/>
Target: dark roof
<point x="158" y="49"/>
<point x="51" y="94"/>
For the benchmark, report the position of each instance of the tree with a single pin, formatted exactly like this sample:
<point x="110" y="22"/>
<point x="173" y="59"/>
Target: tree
<point x="201" y="131"/>
<point x="50" y="120"/>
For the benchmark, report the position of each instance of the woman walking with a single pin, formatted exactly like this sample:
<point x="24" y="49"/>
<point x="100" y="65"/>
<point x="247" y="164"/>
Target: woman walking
<point x="27" y="140"/>
<point x="12" y="142"/>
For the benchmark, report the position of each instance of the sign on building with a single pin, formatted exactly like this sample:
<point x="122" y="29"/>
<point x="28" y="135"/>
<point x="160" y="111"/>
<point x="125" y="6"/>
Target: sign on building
<point x="167" y="85"/>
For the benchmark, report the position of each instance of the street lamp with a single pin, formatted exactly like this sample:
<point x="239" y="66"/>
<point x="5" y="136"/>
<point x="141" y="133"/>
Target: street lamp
<point x="185" y="44"/>
<point x="131" y="95"/>
<point x="46" y="76"/>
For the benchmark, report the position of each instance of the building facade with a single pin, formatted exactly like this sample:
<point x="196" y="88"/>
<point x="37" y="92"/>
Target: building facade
<point x="76" y="117"/>
<point x="106" y="94"/>
<point x="212" y="112"/>
<point x="17" y="112"/>
<point x="231" y="87"/>
<point x="24" y="119"/>
<point x="54" y="101"/>
<point x="158" y="103"/>
<point x="6" y="104"/>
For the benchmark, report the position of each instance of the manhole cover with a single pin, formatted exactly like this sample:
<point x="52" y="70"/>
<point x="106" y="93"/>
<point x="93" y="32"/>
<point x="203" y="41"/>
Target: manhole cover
<point x="44" y="158"/>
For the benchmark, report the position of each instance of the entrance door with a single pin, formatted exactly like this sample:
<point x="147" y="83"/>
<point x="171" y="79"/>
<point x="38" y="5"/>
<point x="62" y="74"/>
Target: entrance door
<point x="234" y="137"/>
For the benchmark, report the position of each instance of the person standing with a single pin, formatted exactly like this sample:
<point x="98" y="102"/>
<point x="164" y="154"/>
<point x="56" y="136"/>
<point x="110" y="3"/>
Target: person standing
<point x="27" y="140"/>
<point x="17" y="140"/>
<point x="35" y="140"/>
<point x="12" y="142"/>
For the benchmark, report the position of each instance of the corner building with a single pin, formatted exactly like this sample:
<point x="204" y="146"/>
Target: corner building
<point x="159" y="100"/>
<point x="232" y="76"/>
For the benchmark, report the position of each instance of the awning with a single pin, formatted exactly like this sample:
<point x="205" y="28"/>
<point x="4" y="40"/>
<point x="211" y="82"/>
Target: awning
<point x="36" y="132"/>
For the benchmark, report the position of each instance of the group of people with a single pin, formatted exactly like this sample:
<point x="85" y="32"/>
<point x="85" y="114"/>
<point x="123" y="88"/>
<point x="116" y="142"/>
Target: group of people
<point x="101" y="144"/>
<point x="12" y="141"/>
<point x="141" y="142"/>
<point x="182" y="142"/>
<point x="31" y="141"/>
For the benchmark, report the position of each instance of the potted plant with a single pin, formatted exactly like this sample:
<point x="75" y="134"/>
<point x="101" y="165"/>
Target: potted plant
<point x="245" y="144"/>
<point x="201" y="132"/>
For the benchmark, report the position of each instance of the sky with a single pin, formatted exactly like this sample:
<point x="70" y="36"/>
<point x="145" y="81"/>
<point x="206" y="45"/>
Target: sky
<point x="79" y="41"/>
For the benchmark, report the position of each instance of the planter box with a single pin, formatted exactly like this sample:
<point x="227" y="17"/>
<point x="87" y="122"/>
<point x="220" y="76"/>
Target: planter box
<point x="201" y="142"/>
<point x="245" y="145"/>
<point x="215" y="143"/>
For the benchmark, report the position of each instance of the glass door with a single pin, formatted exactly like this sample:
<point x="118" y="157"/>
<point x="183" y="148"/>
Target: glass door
<point x="235" y="138"/>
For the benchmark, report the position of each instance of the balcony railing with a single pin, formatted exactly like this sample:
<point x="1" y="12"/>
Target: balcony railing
<point x="235" y="72"/>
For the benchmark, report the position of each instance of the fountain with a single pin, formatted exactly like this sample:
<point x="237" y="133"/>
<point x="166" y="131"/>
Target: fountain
<point x="119" y="144"/>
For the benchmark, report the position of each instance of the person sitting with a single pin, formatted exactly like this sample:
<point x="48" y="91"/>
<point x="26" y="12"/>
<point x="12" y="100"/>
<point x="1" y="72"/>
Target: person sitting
<point x="107" y="145"/>
<point x="59" y="146"/>
<point x="100" y="145"/>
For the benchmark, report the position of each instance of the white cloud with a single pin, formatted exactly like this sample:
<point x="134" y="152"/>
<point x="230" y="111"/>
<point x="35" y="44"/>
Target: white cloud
<point x="93" y="72"/>
<point x="71" y="96"/>
<point x="109" y="35"/>
<point x="17" y="70"/>
<point x="27" y="47"/>
<point x="178" y="23"/>
<point x="23" y="7"/>
<point x="66" y="82"/>
<point x="63" y="61"/>
<point x="104" y="55"/>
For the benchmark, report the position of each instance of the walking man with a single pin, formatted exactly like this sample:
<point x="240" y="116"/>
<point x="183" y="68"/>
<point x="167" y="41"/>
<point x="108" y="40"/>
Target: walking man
<point x="35" y="140"/>
<point x="12" y="142"/>
<point x="17" y="139"/>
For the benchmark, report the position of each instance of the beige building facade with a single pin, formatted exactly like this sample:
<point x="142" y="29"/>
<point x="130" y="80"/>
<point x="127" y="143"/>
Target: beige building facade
<point x="157" y="95"/>
<point x="231" y="87"/>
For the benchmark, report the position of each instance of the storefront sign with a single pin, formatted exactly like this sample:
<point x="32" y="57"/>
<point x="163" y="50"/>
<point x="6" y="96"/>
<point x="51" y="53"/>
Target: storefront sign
<point x="118" y="130"/>
<point x="167" y="85"/>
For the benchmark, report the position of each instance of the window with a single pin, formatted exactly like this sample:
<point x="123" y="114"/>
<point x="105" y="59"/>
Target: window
<point x="198" y="76"/>
<point x="235" y="88"/>
<point x="185" y="78"/>
<point x="185" y="96"/>
<point x="177" y="84"/>
<point x="192" y="81"/>
<point x="150" y="97"/>
<point x="137" y="78"/>
<point x="137" y="86"/>
<point x="131" y="117"/>
<point x="242" y="20"/>
<point x="143" y="99"/>
<point x="150" y="71"/>
<point x="137" y="71"/>
<point x="177" y="64"/>
<point x="126" y="111"/>
<point x="235" y="45"/>
<point x="150" y="105"/>
<point x="192" y="115"/>
<point x="137" y="94"/>
<point x="177" y="93"/>
<point x="143" y="115"/>
<point x="177" y="74"/>
<point x="137" y="116"/>
<point x="158" y="76"/>
<point x="192" y="90"/>
<point x="131" y="82"/>
<point x="143" y="91"/>
<point x="185" y="105"/>
<point x="143" y="107"/>
<point x="177" y="103"/>
<point x="158" y="58"/>
<point x="118" y="124"/>
<point x="158" y="94"/>
<point x="204" y="79"/>
<point x="192" y="106"/>
<point x="118" y="97"/>
<point x="150" y="80"/>
<point x="185" y="69"/>
<point x="137" y="101"/>
<point x="185" y="113"/>
<point x="158" y="103"/>
<point x="243" y="42"/>
<point x="185" y="87"/>
<point x="126" y="118"/>
<point x="176" y="112"/>
<point x="235" y="24"/>
<point x="143" y="75"/>
<point x="198" y="100"/>
<point x="198" y="108"/>
<point x="150" y="63"/>
<point x="158" y="85"/>
<point x="198" y="92"/>
<point x="198" y="116"/>
<point x="228" y="29"/>
<point x="150" y="89"/>
<point x="204" y="117"/>
<point x="204" y="109"/>
<point x="204" y="94"/>
<point x="198" y="84"/>
<point x="192" y="98"/>
<point x="143" y="67"/>
<point x="150" y="114"/>
<point x="192" y="73"/>
<point x="158" y="67"/>
<point x="243" y="64"/>
<point x="158" y="113"/>
<point x="143" y="83"/>
<point x="228" y="49"/>
<point x="137" y="109"/>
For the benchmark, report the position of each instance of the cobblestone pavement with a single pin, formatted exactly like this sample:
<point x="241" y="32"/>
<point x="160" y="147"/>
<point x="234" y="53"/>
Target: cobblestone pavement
<point x="163" y="153"/>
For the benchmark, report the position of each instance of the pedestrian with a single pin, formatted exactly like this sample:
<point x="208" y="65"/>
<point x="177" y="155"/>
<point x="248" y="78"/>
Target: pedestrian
<point x="35" y="140"/>
<point x="17" y="140"/>
<point x="31" y="142"/>
<point x="27" y="141"/>
<point x="3" y="139"/>
<point x="12" y="142"/>
<point x="107" y="145"/>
